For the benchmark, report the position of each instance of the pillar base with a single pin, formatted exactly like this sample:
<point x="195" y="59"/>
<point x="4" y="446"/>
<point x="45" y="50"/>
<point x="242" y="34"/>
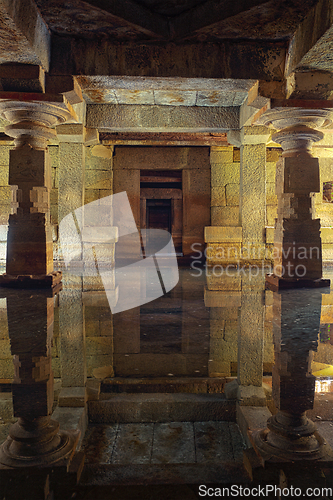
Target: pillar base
<point x="303" y="449"/>
<point x="275" y="283"/>
<point x="52" y="280"/>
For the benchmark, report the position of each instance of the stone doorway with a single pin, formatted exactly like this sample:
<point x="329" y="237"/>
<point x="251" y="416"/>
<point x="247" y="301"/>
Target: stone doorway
<point x="179" y="174"/>
<point x="161" y="202"/>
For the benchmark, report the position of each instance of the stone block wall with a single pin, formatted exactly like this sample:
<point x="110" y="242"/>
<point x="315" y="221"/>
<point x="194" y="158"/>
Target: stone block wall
<point x="225" y="177"/>
<point x="324" y="209"/>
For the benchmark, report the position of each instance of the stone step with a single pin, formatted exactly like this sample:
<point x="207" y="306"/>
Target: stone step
<point x="164" y="453"/>
<point x="193" y="385"/>
<point x="141" y="408"/>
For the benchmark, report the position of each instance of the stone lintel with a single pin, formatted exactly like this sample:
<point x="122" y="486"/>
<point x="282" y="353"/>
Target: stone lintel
<point x="250" y="113"/>
<point x="155" y="118"/>
<point x="219" y="234"/>
<point x="163" y="139"/>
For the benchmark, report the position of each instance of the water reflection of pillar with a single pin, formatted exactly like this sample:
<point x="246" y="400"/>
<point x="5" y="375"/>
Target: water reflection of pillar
<point x="34" y="440"/>
<point x="290" y="435"/>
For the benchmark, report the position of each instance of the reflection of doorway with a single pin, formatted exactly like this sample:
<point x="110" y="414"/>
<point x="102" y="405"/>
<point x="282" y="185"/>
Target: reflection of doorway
<point x="158" y="214"/>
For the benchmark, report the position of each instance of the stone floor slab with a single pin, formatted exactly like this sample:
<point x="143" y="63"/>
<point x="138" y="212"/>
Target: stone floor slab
<point x="133" y="444"/>
<point x="173" y="443"/>
<point x="213" y="442"/>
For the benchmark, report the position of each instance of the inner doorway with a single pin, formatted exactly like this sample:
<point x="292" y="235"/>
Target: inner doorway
<point x="158" y="214"/>
<point x="161" y="203"/>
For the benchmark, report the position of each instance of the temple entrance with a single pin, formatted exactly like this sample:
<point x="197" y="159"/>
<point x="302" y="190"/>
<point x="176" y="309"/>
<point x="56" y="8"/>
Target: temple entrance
<point x="168" y="188"/>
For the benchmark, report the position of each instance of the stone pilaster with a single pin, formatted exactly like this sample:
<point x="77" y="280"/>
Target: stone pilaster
<point x="29" y="260"/>
<point x="253" y="193"/>
<point x="297" y="243"/>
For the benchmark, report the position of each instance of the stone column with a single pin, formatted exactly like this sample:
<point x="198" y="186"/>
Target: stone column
<point x="297" y="242"/>
<point x="252" y="195"/>
<point x="29" y="260"/>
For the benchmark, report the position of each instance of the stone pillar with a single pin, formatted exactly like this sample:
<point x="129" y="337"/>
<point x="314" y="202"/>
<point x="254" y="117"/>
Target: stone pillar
<point x="297" y="243"/>
<point x="253" y="193"/>
<point x="29" y="260"/>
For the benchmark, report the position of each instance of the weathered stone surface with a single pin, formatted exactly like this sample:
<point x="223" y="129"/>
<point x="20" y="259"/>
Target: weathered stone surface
<point x="133" y="444"/>
<point x="218" y="198"/>
<point x="138" y="118"/>
<point x="232" y="194"/>
<point x="221" y="154"/>
<point x="146" y="408"/>
<point x="252" y="192"/>
<point x="174" y="443"/>
<point x="250" y="340"/>
<point x="71" y="178"/>
<point x="225" y="216"/>
<point x="251" y="396"/>
<point x="71" y="327"/>
<point x="226" y="174"/>
<point x="223" y="234"/>
<point x="72" y="397"/>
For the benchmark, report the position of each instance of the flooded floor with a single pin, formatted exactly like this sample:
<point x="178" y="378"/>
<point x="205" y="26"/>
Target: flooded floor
<point x="157" y="382"/>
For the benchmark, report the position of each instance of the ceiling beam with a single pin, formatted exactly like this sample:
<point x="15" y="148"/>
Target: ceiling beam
<point x="28" y="20"/>
<point x="243" y="60"/>
<point x="318" y="20"/>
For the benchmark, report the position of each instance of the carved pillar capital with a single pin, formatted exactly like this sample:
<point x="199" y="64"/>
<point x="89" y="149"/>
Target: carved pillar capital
<point x="31" y="121"/>
<point x="297" y="127"/>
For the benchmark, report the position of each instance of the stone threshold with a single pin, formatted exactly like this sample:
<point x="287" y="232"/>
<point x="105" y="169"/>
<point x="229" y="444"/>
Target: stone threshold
<point x="141" y="408"/>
